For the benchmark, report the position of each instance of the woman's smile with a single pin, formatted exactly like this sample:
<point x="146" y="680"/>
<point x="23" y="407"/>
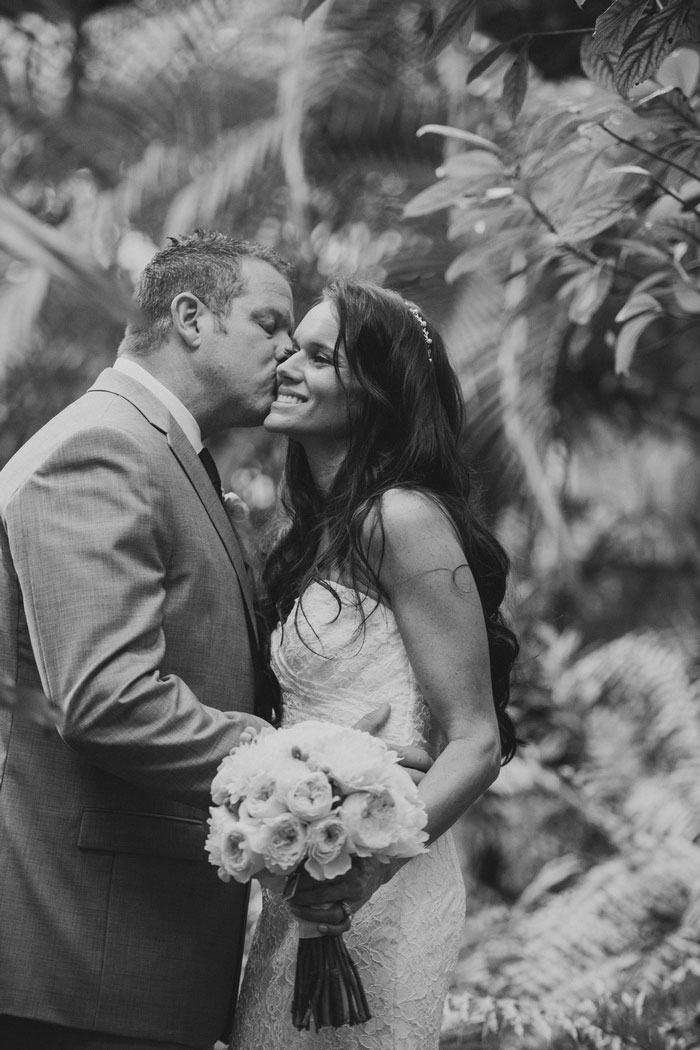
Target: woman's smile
<point x="314" y="378"/>
<point x="287" y="397"/>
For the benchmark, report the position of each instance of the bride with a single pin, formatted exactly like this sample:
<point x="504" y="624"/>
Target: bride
<point x="388" y="589"/>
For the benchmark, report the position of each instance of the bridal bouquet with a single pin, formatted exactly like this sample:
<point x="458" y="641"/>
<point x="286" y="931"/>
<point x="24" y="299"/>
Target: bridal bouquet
<point x="313" y="795"/>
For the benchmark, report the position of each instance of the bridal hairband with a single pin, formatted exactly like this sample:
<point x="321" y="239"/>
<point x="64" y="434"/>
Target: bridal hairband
<point x="423" y="327"/>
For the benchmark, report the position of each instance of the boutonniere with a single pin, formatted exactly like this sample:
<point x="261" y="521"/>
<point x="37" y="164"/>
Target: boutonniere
<point x="237" y="509"/>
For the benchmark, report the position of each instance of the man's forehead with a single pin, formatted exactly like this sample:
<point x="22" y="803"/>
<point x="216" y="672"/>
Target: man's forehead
<point x="263" y="280"/>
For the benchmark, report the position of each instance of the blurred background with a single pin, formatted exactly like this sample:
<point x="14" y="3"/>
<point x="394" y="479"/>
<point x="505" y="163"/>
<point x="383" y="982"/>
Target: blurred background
<point x="539" y="201"/>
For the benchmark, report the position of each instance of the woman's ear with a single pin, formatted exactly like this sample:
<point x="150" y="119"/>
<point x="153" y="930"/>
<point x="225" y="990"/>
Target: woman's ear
<point x="186" y="311"/>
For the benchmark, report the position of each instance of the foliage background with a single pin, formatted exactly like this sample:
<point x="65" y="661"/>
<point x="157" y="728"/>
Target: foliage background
<point x="535" y="187"/>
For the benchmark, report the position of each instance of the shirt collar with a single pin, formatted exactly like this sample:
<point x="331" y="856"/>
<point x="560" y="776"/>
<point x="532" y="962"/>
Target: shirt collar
<point x="178" y="411"/>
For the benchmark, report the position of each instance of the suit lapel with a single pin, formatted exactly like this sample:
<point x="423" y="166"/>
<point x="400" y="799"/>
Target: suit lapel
<point x="158" y="416"/>
<point x="193" y="467"/>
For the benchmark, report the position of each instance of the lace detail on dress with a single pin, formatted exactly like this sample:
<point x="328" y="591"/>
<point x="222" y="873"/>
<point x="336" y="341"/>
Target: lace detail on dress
<point x="405" y="940"/>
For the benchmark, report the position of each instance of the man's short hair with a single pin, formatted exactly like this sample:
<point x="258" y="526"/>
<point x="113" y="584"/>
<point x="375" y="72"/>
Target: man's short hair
<point x="206" y="263"/>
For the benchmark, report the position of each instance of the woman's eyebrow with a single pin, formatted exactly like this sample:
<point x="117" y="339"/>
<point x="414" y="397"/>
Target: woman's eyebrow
<point x="316" y="345"/>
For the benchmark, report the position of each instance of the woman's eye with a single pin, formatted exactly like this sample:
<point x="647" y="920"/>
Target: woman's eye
<point x="323" y="359"/>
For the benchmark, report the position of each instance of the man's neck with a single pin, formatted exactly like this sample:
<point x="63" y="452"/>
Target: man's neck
<point x="166" y="390"/>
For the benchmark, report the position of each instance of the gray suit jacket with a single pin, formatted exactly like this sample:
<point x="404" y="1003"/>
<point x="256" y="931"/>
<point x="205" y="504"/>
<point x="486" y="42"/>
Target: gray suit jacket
<point x="123" y="594"/>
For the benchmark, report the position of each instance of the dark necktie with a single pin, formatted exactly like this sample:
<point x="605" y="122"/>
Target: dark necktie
<point x="266" y="688"/>
<point x="210" y="467"/>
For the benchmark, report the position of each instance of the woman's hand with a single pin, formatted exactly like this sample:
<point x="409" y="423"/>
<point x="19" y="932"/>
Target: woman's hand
<point x="331" y="903"/>
<point x="415" y="760"/>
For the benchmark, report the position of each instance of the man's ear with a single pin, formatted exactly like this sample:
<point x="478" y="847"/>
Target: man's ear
<point x="186" y="311"/>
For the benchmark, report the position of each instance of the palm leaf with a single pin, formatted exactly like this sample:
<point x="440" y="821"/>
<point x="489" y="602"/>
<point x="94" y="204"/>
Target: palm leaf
<point x="21" y="301"/>
<point x="24" y="237"/>
<point x="228" y="166"/>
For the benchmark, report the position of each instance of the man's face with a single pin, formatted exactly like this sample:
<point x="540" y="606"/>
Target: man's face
<point x="240" y="351"/>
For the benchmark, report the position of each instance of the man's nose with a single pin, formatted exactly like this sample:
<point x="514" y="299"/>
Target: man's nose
<point x="287" y="364"/>
<point x="284" y="348"/>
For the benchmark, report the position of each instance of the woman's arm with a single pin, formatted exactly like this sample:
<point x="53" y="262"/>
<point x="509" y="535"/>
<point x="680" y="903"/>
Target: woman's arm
<point x="433" y="596"/>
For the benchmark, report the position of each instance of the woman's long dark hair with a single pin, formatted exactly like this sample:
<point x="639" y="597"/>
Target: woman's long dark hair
<point x="405" y="425"/>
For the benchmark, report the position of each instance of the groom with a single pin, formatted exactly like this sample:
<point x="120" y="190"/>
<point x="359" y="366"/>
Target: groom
<point x="124" y="596"/>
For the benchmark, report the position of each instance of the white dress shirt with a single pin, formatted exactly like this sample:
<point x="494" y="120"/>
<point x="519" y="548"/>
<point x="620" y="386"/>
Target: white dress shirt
<point x="174" y="405"/>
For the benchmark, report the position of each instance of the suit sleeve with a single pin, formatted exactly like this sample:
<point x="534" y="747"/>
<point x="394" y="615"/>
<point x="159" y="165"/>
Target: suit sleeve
<point x="89" y="538"/>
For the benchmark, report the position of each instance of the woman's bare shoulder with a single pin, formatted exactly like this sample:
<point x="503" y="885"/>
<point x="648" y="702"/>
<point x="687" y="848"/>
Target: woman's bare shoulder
<point x="409" y="520"/>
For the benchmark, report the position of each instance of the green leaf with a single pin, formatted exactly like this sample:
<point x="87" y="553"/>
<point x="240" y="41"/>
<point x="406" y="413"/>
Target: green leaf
<point x="471" y="164"/>
<point x="685" y="153"/>
<point x="515" y="82"/>
<point x="483" y="249"/>
<point x="467" y="262"/>
<point x="491" y="56"/>
<point x="596" y="65"/>
<point x="647" y="251"/>
<point x="590" y="293"/>
<point x="688" y="298"/>
<point x="457" y="16"/>
<point x="457" y="133"/>
<point x="665" y="103"/>
<point x="638" y="303"/>
<point x="614" y="26"/>
<point x="309" y="7"/>
<point x="587" y="223"/>
<point x="648" y="44"/>
<point x="692" y="26"/>
<point x="680" y="70"/>
<point x="628" y="338"/>
<point x="442" y="194"/>
<point x="601" y="203"/>
<point x="491" y="216"/>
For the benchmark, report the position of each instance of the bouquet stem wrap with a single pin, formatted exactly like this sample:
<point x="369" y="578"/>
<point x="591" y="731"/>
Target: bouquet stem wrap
<point x="327" y="986"/>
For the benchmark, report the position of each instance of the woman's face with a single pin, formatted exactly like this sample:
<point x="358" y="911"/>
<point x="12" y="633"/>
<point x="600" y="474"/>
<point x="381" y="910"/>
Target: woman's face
<point x="312" y="398"/>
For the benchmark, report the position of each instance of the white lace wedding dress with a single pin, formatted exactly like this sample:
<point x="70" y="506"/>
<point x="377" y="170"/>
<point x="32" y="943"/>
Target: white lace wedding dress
<point x="405" y="940"/>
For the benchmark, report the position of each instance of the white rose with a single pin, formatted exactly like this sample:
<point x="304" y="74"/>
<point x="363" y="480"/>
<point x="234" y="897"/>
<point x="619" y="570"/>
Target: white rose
<point x="411" y="815"/>
<point x="287" y="771"/>
<point x="261" y="799"/>
<point x="235" y="847"/>
<point x="328" y="848"/>
<point x="234" y="773"/>
<point x="311" y="797"/>
<point x="286" y="845"/>
<point x="353" y="760"/>
<point x="371" y="820"/>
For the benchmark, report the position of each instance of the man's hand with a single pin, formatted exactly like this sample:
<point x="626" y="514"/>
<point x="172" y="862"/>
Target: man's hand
<point x="330" y="904"/>
<point x="416" y="761"/>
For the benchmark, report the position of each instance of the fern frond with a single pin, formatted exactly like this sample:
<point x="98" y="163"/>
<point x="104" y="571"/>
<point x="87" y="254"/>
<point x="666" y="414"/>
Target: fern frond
<point x="591" y="936"/>
<point x="643" y="723"/>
